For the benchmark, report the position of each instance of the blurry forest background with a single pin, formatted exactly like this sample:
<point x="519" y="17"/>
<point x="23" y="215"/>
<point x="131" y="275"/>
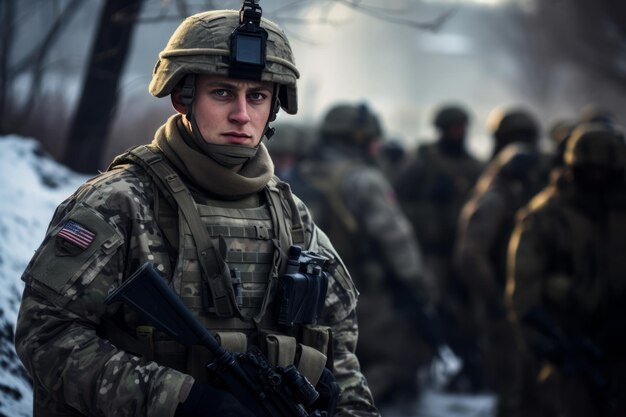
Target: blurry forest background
<point x="74" y="73"/>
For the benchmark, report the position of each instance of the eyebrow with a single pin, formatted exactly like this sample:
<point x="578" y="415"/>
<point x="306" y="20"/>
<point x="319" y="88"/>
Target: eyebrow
<point x="233" y="86"/>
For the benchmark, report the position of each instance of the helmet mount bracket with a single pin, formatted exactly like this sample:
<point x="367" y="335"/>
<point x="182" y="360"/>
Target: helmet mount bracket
<point x="248" y="43"/>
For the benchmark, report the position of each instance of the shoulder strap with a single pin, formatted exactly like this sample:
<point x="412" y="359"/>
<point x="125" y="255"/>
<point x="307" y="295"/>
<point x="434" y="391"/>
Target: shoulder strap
<point x="327" y="184"/>
<point x="210" y="259"/>
<point x="292" y="228"/>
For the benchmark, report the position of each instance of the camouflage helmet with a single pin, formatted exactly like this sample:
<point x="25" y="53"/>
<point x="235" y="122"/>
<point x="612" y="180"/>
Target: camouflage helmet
<point x="201" y="45"/>
<point x="450" y="115"/>
<point x="594" y="144"/>
<point x="354" y="123"/>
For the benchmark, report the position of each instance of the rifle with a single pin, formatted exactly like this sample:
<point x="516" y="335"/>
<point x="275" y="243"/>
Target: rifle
<point x="269" y="391"/>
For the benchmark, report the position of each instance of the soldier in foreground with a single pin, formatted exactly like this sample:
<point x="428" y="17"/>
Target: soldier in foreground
<point x="359" y="211"/>
<point x="566" y="281"/>
<point x="200" y="203"/>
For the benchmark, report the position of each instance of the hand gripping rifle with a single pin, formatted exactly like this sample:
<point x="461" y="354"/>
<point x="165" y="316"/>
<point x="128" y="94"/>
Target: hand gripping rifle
<point x="269" y="391"/>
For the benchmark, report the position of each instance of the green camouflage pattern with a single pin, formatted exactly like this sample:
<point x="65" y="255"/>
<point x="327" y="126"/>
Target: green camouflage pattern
<point x="59" y="328"/>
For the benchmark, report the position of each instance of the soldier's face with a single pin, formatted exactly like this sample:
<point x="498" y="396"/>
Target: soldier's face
<point x="232" y="111"/>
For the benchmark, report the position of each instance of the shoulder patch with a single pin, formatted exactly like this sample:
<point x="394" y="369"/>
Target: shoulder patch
<point x="73" y="246"/>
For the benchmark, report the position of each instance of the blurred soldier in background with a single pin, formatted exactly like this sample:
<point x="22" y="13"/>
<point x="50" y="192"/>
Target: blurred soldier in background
<point x="566" y="280"/>
<point x="485" y="226"/>
<point x="432" y="190"/>
<point x="290" y="146"/>
<point x="433" y="187"/>
<point x="558" y="133"/>
<point x="374" y="238"/>
<point x="391" y="158"/>
<point x="595" y="113"/>
<point x="562" y="129"/>
<point x="511" y="126"/>
<point x="518" y="125"/>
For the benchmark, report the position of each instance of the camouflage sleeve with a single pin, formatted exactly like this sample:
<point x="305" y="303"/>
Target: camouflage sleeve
<point x="340" y="315"/>
<point x="58" y="330"/>
<point x="369" y="195"/>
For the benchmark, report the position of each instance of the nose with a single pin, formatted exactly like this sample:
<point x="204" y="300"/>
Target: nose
<point x="239" y="111"/>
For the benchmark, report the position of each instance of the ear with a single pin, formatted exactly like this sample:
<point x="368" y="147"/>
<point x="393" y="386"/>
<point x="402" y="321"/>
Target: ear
<point x="177" y="101"/>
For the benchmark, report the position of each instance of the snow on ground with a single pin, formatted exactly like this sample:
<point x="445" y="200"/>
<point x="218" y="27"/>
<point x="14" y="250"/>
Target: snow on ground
<point x="31" y="186"/>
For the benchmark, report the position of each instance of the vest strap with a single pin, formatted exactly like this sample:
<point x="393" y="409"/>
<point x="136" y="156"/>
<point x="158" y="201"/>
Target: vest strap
<point x="280" y="192"/>
<point x="210" y="259"/>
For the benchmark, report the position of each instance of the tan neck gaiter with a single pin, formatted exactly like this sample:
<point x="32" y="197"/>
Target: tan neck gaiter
<point x="207" y="174"/>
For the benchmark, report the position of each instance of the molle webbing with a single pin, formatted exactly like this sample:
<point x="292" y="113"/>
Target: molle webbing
<point x="209" y="257"/>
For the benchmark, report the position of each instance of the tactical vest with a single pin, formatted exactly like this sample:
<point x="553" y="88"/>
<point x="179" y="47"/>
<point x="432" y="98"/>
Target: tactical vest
<point x="228" y="275"/>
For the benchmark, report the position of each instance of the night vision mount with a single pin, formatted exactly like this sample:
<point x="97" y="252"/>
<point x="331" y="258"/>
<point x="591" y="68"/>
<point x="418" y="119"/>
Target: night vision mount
<point x="248" y="43"/>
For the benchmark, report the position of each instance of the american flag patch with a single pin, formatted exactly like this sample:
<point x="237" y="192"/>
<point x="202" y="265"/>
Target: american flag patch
<point x="77" y="234"/>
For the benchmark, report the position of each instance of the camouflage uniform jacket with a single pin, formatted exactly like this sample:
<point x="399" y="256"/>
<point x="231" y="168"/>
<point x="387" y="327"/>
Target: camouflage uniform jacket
<point x="76" y="371"/>
<point x="362" y="217"/>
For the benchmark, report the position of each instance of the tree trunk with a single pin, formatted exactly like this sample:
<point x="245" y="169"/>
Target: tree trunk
<point x="7" y="19"/>
<point x="98" y="101"/>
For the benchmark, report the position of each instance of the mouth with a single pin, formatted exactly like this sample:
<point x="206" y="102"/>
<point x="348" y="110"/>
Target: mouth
<point x="236" y="137"/>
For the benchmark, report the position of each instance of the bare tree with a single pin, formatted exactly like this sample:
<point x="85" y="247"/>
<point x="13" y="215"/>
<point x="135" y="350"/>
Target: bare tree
<point x="32" y="62"/>
<point x="99" y="96"/>
<point x="7" y="17"/>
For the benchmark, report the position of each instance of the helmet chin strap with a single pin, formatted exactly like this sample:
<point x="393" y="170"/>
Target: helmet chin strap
<point x="229" y="156"/>
<point x="269" y="131"/>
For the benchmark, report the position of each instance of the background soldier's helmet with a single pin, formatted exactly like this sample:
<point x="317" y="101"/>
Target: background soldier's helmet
<point x="594" y="113"/>
<point x="596" y="145"/>
<point x="351" y="123"/>
<point x="516" y="123"/>
<point x="512" y="126"/>
<point x="450" y="115"/>
<point x="201" y="45"/>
